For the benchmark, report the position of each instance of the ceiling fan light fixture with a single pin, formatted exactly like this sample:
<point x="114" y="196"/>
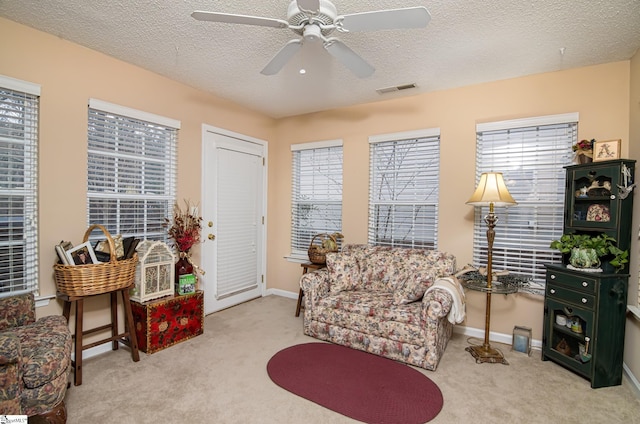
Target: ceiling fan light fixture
<point x="312" y="33"/>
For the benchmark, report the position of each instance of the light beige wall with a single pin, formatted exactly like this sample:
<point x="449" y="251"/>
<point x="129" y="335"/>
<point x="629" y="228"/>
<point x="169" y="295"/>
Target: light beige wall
<point x="69" y="76"/>
<point x="598" y="93"/>
<point x="632" y="342"/>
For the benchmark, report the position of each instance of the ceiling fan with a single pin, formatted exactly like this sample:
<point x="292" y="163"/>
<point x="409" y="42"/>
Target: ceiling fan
<point x="316" y="20"/>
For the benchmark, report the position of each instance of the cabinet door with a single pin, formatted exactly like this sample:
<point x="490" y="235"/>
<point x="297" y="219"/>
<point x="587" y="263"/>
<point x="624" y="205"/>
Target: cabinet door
<point x="564" y="343"/>
<point x="591" y="198"/>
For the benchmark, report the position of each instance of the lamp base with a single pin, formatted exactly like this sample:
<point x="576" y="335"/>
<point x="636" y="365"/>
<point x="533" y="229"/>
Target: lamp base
<point x="485" y="353"/>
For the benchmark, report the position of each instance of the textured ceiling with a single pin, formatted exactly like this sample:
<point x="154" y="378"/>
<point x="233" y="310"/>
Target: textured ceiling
<point x="466" y="42"/>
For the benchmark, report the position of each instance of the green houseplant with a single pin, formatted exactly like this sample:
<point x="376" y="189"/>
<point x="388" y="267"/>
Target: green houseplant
<point x="586" y="249"/>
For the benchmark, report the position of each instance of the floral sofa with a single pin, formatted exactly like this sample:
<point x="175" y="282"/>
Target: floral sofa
<point x="35" y="361"/>
<point x="394" y="302"/>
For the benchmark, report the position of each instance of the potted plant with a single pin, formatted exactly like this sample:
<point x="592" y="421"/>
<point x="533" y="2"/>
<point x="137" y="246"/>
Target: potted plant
<point x="585" y="250"/>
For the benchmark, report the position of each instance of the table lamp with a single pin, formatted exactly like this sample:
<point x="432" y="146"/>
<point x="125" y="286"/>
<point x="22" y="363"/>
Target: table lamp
<point x="491" y="191"/>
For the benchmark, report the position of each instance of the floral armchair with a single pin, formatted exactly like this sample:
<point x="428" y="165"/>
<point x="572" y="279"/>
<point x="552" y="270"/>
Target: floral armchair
<point x="35" y="361"/>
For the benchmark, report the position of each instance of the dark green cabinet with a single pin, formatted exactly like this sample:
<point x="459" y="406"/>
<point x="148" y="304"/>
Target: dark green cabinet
<point x="584" y="312"/>
<point x="596" y="303"/>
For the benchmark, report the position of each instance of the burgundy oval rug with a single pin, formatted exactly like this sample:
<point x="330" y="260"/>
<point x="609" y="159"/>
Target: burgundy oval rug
<point x="360" y="385"/>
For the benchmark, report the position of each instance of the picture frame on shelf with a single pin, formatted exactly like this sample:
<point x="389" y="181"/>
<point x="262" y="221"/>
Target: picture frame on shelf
<point x="606" y="150"/>
<point x="82" y="254"/>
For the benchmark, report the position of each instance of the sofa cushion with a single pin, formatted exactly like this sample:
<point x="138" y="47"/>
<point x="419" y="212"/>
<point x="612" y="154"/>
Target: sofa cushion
<point x="46" y="350"/>
<point x="344" y="272"/>
<point x="372" y="313"/>
<point x="379" y="306"/>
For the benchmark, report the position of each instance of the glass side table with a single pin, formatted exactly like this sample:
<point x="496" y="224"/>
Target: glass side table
<point x="506" y="284"/>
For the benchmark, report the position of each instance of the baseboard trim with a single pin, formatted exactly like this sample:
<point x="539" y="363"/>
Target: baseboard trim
<point x="535" y="344"/>
<point x="282" y="293"/>
<point x="493" y="336"/>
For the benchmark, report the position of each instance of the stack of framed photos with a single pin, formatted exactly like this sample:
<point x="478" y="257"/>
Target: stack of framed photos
<point x="86" y="254"/>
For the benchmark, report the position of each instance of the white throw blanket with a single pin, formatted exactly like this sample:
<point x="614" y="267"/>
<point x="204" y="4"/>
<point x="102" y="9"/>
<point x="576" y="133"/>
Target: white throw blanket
<point x="457" y="313"/>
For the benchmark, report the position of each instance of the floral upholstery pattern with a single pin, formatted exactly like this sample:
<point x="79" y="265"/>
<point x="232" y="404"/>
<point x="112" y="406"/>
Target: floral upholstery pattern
<point x="372" y="298"/>
<point x="35" y="358"/>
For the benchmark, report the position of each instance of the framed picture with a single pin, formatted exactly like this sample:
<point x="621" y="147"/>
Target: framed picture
<point x="606" y="150"/>
<point x="522" y="339"/>
<point x="82" y="254"/>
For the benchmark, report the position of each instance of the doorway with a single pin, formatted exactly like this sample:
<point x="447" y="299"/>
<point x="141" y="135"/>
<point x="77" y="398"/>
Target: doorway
<point x="233" y="215"/>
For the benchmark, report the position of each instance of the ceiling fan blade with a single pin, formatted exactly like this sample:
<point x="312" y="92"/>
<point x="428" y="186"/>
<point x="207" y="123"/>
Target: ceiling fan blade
<point x="411" y="17"/>
<point x="349" y="58"/>
<point x="282" y="57"/>
<point x="238" y="19"/>
<point x="309" y="6"/>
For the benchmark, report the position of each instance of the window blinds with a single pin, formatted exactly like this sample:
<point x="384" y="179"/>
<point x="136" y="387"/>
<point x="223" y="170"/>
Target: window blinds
<point x="403" y="191"/>
<point x="532" y="160"/>
<point x="316" y="203"/>
<point x="132" y="171"/>
<point x="19" y="103"/>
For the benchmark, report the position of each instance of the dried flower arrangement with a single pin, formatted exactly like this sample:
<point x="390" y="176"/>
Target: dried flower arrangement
<point x="584" y="147"/>
<point x="185" y="227"/>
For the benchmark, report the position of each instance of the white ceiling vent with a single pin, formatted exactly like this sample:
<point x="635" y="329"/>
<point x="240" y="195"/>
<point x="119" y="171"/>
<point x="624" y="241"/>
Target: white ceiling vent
<point x="396" y="88"/>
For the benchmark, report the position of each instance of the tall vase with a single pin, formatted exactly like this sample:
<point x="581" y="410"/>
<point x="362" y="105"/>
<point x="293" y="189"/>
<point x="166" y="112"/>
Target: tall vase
<point x="184" y="270"/>
<point x="584" y="159"/>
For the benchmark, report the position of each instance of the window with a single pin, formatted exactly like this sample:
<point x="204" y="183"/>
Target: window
<point x="316" y="202"/>
<point x="403" y="189"/>
<point x="132" y="170"/>
<point x="19" y="103"/>
<point x="531" y="154"/>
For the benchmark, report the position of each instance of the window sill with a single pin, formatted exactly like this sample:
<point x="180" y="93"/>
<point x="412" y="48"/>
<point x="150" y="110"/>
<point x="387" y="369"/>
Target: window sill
<point x="635" y="310"/>
<point x="297" y="259"/>
<point x="42" y="301"/>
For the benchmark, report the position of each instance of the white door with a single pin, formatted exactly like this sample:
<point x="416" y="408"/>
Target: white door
<point x="233" y="201"/>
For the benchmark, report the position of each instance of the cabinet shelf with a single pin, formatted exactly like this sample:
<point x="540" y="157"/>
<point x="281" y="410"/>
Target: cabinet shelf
<point x="567" y="331"/>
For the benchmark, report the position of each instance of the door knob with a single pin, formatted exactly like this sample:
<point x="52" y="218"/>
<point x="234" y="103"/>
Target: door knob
<point x="210" y="224"/>
<point x="211" y="237"/>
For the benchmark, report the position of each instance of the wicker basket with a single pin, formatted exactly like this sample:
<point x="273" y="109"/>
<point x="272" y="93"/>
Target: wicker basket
<point x="318" y="254"/>
<point x="86" y="280"/>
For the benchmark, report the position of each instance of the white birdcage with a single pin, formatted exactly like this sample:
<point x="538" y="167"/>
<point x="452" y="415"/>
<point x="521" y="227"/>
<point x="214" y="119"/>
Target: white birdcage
<point x="155" y="271"/>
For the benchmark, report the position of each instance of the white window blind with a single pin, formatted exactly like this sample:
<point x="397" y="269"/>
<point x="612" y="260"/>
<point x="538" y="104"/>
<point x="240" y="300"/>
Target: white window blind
<point x="316" y="203"/>
<point x="403" y="189"/>
<point x="132" y="170"/>
<point x="19" y="102"/>
<point x="531" y="154"/>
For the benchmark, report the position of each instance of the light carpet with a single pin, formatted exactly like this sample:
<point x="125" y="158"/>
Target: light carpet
<point x="221" y="377"/>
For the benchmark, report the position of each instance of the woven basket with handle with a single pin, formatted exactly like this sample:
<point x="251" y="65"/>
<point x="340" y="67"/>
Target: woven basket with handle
<point x="86" y="280"/>
<point x="318" y="254"/>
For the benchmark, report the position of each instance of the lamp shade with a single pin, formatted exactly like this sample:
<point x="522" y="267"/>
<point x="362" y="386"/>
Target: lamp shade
<point x="491" y="189"/>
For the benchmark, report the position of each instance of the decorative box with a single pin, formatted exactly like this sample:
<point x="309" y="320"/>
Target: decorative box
<point x="161" y="323"/>
<point x="155" y="271"/>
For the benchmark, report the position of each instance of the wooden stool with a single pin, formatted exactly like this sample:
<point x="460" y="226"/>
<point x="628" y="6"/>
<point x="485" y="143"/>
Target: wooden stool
<point x="129" y="330"/>
<point x="305" y="268"/>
